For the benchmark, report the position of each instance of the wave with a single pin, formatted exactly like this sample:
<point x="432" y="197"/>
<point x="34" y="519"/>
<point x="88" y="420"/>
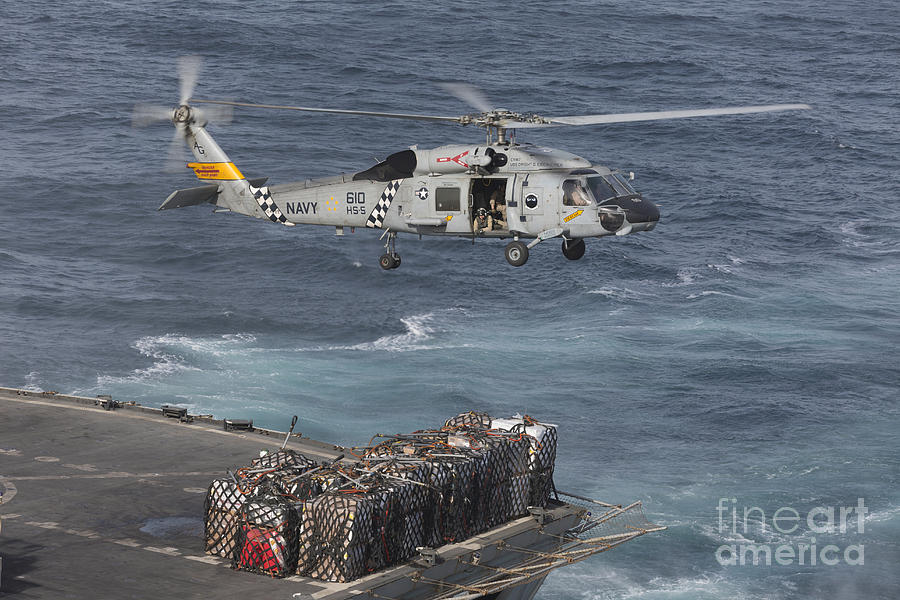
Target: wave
<point x="863" y="233"/>
<point x="617" y="293"/>
<point x="610" y="583"/>
<point x="727" y="268"/>
<point x="879" y="516"/>
<point x="418" y="331"/>
<point x="712" y="293"/>
<point x="32" y="382"/>
<point x="684" y="276"/>
<point x="171" y="355"/>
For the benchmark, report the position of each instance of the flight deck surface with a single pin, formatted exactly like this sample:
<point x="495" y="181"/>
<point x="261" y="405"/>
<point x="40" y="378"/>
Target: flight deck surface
<point x="98" y="503"/>
<point x="109" y="504"/>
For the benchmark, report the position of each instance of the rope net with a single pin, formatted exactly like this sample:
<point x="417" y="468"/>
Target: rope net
<point x="338" y="521"/>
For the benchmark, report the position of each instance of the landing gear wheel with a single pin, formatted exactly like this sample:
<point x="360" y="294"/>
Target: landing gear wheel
<point x="387" y="262"/>
<point x="390" y="259"/>
<point x="516" y="253"/>
<point x="573" y="249"/>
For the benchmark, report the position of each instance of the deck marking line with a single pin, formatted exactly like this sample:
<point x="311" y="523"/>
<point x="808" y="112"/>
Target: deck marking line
<point x="210" y="560"/>
<point x="168" y="550"/>
<point x="118" y="475"/>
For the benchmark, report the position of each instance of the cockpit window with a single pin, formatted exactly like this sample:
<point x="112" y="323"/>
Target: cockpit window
<point x="574" y="193"/>
<point x="621" y="185"/>
<point x="601" y="189"/>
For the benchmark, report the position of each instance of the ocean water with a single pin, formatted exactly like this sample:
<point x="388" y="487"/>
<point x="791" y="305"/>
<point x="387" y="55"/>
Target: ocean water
<point x="744" y="354"/>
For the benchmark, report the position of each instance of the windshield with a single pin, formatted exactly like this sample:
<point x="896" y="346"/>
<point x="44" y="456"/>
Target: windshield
<point x="623" y="188"/>
<point x="601" y="189"/>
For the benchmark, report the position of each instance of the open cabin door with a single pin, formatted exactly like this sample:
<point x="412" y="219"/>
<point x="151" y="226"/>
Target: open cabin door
<point x="489" y="199"/>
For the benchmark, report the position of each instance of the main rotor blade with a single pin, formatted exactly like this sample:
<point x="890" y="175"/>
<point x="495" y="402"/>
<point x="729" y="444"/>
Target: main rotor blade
<point x="218" y="114"/>
<point x="469" y="94"/>
<point x="331" y="110"/>
<point x="666" y="114"/>
<point x="188" y="68"/>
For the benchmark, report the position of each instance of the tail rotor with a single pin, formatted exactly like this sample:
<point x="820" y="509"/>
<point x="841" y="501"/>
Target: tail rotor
<point x="183" y="115"/>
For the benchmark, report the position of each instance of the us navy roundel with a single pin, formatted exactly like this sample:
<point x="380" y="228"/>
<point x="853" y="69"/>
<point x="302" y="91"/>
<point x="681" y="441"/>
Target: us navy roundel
<point x="422" y="193"/>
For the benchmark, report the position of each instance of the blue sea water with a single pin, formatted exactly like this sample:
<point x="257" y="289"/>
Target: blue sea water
<point x="746" y="349"/>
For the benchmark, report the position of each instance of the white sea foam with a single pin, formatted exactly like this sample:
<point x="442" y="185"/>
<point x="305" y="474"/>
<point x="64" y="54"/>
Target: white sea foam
<point x="684" y="277"/>
<point x="32" y="382"/>
<point x="170" y="353"/>
<point x="419" y="334"/>
<point x="165" y="364"/>
<point x="617" y="293"/>
<point x="226" y="344"/>
<point x="859" y="239"/>
<point x="609" y="584"/>
<point x="755" y="533"/>
<point x="418" y="331"/>
<point x="727" y="268"/>
<point x="850" y="227"/>
<point x="710" y="293"/>
<point x="705" y="583"/>
<point x="888" y="514"/>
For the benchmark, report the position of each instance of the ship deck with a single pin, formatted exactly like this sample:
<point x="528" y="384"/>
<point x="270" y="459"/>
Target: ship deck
<point x="108" y="504"/>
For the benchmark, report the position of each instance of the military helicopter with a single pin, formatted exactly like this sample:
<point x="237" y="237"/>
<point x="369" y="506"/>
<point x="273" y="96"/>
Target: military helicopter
<point x="499" y="189"/>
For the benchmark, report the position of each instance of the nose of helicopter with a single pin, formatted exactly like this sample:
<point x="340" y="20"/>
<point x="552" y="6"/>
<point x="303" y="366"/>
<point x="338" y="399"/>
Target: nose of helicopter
<point x="640" y="213"/>
<point x="639" y="210"/>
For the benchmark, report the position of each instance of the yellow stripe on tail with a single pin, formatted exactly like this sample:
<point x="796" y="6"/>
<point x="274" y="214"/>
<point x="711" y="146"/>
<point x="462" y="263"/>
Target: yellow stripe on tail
<point x="219" y="170"/>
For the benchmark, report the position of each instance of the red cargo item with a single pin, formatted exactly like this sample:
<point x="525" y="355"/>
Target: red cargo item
<point x="263" y="550"/>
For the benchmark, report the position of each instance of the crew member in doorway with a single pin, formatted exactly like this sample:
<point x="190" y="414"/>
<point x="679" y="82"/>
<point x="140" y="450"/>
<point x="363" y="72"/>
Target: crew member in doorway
<point x="498" y="209"/>
<point x="483" y="221"/>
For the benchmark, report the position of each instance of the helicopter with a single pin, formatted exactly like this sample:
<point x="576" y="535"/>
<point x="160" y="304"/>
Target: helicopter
<point x="498" y="189"/>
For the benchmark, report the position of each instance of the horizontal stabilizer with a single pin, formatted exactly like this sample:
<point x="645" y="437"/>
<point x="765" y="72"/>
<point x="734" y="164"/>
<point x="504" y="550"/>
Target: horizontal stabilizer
<point x="191" y="197"/>
<point x="201" y="195"/>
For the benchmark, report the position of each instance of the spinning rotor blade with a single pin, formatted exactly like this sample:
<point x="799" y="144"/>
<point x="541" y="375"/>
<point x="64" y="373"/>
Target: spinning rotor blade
<point x="188" y="69"/>
<point x="663" y="114"/>
<point x="330" y="110"/>
<point x="175" y="155"/>
<point x="218" y="114"/>
<point x="147" y="114"/>
<point x="468" y="94"/>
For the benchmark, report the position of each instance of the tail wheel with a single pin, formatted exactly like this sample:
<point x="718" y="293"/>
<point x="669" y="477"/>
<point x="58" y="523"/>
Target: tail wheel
<point x="516" y="253"/>
<point x="573" y="249"/>
<point x="387" y="262"/>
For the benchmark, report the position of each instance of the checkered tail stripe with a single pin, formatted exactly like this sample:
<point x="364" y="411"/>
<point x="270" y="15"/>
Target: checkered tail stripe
<point x="376" y="218"/>
<point x="264" y="199"/>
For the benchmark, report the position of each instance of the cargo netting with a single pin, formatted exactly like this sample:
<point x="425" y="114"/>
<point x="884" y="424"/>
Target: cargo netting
<point x="603" y="523"/>
<point x="338" y="521"/>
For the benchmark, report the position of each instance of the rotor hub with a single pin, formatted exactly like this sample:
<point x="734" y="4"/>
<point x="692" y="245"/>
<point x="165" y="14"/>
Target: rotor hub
<point x="501" y="117"/>
<point x="182" y="115"/>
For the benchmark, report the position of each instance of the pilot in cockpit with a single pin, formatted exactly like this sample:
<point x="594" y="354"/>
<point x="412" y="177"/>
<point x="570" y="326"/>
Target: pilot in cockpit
<point x="574" y="194"/>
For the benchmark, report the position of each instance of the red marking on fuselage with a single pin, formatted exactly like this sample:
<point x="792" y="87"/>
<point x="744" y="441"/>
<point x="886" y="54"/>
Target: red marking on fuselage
<point x="457" y="159"/>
